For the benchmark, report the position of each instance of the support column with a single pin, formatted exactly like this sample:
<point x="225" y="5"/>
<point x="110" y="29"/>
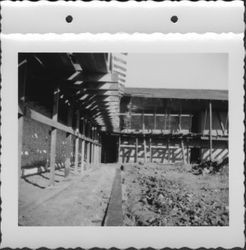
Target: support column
<point x="88" y="153"/>
<point x="136" y="151"/>
<point x="119" y="148"/>
<point x="205" y="121"/>
<point x="83" y="150"/>
<point x="150" y="150"/>
<point x="76" y="162"/>
<point x="56" y="95"/>
<point x="20" y="142"/>
<point x="82" y="156"/>
<point x="183" y="151"/>
<point x="21" y="113"/>
<point x="188" y="153"/>
<point x="68" y="161"/>
<point x="168" y="153"/>
<point x="144" y="144"/>
<point x="210" y="131"/>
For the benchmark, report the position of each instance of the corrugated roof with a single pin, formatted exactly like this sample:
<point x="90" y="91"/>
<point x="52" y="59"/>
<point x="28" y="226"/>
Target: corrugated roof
<point x="205" y="94"/>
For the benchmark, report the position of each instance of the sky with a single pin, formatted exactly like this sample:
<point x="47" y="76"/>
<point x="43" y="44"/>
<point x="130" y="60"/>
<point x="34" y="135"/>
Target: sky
<point x="189" y="71"/>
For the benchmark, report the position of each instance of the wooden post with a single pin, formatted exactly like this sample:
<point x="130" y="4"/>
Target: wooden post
<point x="180" y="112"/>
<point x="76" y="162"/>
<point x="69" y="122"/>
<point x="188" y="153"/>
<point x="136" y="150"/>
<point x="155" y="119"/>
<point x="130" y="113"/>
<point x="92" y="146"/>
<point x="150" y="150"/>
<point x="100" y="153"/>
<point x="143" y="125"/>
<point x="168" y="153"/>
<point x="119" y="149"/>
<point x="83" y="149"/>
<point x="56" y="95"/>
<point x="88" y="153"/>
<point x="183" y="151"/>
<point x="22" y="100"/>
<point x="226" y="124"/>
<point x="205" y="121"/>
<point x="210" y="131"/>
<point x="20" y="142"/>
<point x="165" y="121"/>
<point x="144" y="144"/>
<point x="82" y="155"/>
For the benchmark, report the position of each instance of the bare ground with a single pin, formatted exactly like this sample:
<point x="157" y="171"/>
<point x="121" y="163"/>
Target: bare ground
<point x="79" y="201"/>
<point x="170" y="195"/>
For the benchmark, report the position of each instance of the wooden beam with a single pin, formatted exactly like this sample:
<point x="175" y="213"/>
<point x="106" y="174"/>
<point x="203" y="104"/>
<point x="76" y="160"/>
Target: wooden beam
<point x="157" y="115"/>
<point x="95" y="77"/>
<point x="56" y="95"/>
<point x="210" y="131"/>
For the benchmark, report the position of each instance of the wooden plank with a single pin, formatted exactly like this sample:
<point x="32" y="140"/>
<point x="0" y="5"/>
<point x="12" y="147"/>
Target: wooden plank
<point x="54" y="135"/>
<point x="47" y="121"/>
<point x="96" y="77"/>
<point x="52" y="123"/>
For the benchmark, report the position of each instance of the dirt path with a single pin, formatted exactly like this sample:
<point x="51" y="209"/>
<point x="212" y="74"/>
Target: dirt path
<point x="83" y="203"/>
<point x="169" y="195"/>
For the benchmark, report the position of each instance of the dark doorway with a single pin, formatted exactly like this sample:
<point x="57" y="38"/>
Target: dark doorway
<point x="195" y="155"/>
<point x="195" y="123"/>
<point x="109" y="148"/>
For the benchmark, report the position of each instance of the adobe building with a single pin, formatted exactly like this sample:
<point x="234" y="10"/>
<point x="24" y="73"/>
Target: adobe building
<point x="75" y="113"/>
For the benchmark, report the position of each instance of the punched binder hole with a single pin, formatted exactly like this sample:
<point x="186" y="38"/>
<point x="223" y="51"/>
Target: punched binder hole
<point x="69" y="19"/>
<point x="174" y="19"/>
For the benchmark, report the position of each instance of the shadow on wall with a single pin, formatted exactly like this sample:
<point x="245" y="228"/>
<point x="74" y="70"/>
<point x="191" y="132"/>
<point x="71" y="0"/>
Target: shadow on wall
<point x="163" y="155"/>
<point x="217" y="154"/>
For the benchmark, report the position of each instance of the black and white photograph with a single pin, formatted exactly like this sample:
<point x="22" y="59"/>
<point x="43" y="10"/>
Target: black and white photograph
<point x="123" y="139"/>
<point x="122" y="127"/>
